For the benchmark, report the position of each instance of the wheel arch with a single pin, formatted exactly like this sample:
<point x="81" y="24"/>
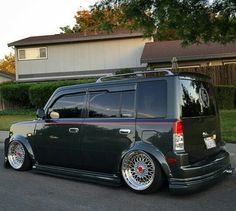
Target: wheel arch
<point x="25" y="142"/>
<point x="154" y="152"/>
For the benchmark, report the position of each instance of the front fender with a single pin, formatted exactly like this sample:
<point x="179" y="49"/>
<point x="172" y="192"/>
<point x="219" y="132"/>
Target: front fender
<point x="152" y="150"/>
<point x="24" y="141"/>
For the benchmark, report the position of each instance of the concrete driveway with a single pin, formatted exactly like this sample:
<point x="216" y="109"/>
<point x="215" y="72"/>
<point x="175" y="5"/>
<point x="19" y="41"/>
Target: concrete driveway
<point x="3" y="135"/>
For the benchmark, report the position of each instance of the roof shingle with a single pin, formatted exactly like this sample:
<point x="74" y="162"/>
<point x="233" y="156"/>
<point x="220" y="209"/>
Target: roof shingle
<point x="75" y="37"/>
<point x="164" y="51"/>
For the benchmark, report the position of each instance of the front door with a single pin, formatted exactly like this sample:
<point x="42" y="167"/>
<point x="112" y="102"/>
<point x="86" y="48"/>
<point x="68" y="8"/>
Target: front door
<point x="57" y="140"/>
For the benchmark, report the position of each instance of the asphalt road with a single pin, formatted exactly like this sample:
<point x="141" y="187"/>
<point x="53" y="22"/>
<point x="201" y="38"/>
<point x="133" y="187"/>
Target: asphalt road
<point x="32" y="191"/>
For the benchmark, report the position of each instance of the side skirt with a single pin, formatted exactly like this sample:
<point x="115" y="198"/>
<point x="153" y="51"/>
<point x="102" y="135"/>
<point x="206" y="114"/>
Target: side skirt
<point x="96" y="177"/>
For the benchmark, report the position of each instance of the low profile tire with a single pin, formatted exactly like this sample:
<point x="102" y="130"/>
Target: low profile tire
<point x="18" y="156"/>
<point x="141" y="172"/>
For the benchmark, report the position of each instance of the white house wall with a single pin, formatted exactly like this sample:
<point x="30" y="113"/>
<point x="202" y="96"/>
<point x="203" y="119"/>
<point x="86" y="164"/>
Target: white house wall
<point x="77" y="59"/>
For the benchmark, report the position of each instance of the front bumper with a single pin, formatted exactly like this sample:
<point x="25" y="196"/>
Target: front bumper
<point x="196" y="176"/>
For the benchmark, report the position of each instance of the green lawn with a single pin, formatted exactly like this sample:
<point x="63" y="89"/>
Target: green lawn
<point x="10" y="116"/>
<point x="228" y="122"/>
<point x="228" y="125"/>
<point x="7" y="120"/>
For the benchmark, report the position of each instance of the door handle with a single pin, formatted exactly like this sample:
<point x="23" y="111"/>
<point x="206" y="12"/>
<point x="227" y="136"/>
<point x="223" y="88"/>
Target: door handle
<point x="124" y="131"/>
<point x="73" y="130"/>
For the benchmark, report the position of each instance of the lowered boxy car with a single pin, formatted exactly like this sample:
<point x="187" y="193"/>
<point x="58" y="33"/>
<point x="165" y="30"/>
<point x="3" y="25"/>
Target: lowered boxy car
<point x="141" y="128"/>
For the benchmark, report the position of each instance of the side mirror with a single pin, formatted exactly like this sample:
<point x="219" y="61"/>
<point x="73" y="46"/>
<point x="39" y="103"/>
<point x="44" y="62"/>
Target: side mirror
<point x="40" y="113"/>
<point x="54" y="115"/>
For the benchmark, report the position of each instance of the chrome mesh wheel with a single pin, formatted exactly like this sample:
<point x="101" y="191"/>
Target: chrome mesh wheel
<point x="138" y="170"/>
<point x="16" y="155"/>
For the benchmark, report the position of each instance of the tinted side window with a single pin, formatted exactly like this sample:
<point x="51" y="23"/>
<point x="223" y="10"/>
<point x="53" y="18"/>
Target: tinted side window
<point x="152" y="99"/>
<point x="127" y="104"/>
<point x="69" y="106"/>
<point x="197" y="99"/>
<point x="104" y="105"/>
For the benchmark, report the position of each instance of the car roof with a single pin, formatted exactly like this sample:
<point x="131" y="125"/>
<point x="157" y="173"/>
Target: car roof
<point x="122" y="85"/>
<point x="118" y="82"/>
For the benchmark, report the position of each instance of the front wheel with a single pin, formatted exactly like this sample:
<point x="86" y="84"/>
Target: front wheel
<point x="141" y="172"/>
<point x="18" y="157"/>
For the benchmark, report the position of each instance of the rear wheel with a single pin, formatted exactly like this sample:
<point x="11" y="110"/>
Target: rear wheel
<point x="18" y="157"/>
<point x="141" y="172"/>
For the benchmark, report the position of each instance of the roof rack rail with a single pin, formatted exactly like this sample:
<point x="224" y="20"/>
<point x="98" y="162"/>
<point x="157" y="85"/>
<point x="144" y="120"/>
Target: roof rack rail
<point x="135" y="74"/>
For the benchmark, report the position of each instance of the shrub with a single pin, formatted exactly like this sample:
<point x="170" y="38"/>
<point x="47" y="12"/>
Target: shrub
<point x="235" y="97"/>
<point x="225" y="96"/>
<point x="40" y="93"/>
<point x="124" y="71"/>
<point x="16" y="93"/>
<point x="29" y="95"/>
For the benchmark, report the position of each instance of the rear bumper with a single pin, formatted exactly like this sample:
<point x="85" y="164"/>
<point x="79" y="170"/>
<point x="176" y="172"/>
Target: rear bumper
<point x="195" y="177"/>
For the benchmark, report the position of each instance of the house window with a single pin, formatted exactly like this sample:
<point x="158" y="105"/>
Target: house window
<point x="32" y="53"/>
<point x="21" y="53"/>
<point x="229" y="62"/>
<point x="190" y="66"/>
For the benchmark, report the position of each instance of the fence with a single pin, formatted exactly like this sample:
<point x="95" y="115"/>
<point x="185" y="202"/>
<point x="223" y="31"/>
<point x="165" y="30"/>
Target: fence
<point x="220" y="75"/>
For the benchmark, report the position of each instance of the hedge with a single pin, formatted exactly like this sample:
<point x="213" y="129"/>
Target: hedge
<point x="235" y="98"/>
<point x="225" y="96"/>
<point x="16" y="93"/>
<point x="40" y="93"/>
<point x="124" y="71"/>
<point x="35" y="95"/>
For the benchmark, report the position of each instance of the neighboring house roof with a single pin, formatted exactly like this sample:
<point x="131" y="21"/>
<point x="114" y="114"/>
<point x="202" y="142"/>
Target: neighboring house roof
<point x="164" y="51"/>
<point x="75" y="37"/>
<point x="7" y="75"/>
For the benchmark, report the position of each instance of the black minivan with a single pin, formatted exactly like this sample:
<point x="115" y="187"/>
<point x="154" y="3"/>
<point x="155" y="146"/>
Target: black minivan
<point x="141" y="128"/>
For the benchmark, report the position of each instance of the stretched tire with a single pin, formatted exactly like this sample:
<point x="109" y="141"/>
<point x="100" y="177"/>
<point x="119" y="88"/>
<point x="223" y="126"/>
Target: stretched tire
<point x="18" y="156"/>
<point x="141" y="172"/>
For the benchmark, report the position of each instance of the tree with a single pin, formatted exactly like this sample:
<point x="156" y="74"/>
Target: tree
<point x="97" y="19"/>
<point x="193" y="21"/>
<point x="8" y="64"/>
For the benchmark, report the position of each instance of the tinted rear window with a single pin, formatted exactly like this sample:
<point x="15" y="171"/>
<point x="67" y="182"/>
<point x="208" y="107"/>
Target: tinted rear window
<point x="104" y="105"/>
<point x="197" y="99"/>
<point x="111" y="105"/>
<point x="152" y="99"/>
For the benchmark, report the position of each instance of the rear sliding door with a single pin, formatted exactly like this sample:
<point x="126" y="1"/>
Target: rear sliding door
<point x="109" y="129"/>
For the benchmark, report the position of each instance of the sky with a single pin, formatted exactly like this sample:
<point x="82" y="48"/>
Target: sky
<point x="24" y="18"/>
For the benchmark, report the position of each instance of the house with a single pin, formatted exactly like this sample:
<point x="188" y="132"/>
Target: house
<point x="67" y="56"/>
<point x="76" y="55"/>
<point x="172" y="54"/>
<point x="5" y="76"/>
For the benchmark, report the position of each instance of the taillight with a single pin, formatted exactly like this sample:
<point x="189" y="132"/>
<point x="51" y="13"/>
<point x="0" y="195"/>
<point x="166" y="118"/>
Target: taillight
<point x="178" y="137"/>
